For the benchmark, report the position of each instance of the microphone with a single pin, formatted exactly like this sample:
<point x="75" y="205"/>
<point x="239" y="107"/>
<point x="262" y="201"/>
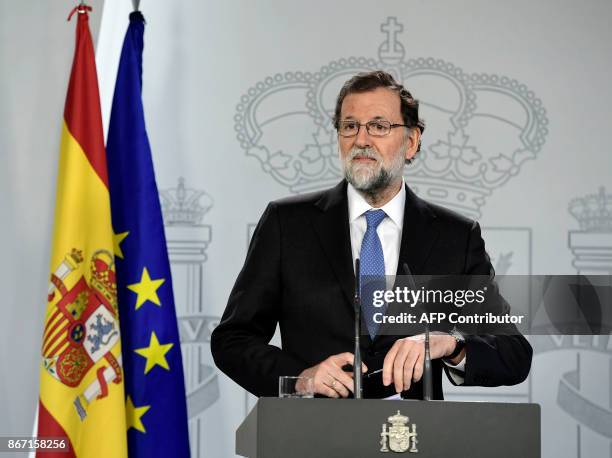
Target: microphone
<point x="427" y="376"/>
<point x="357" y="375"/>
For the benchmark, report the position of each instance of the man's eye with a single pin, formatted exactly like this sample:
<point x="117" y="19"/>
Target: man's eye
<point x="378" y="126"/>
<point x="349" y="126"/>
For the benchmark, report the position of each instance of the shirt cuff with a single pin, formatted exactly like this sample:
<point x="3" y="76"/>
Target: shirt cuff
<point x="456" y="371"/>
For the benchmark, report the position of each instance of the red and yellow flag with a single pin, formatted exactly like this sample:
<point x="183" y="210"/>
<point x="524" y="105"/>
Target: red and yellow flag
<point x="81" y="383"/>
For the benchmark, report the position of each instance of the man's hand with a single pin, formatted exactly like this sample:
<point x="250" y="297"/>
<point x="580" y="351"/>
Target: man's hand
<point x="404" y="361"/>
<point x="328" y="377"/>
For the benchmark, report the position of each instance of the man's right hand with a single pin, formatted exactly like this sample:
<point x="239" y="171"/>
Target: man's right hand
<point x="328" y="377"/>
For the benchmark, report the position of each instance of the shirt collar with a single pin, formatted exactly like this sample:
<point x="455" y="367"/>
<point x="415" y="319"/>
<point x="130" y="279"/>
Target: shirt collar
<point x="394" y="209"/>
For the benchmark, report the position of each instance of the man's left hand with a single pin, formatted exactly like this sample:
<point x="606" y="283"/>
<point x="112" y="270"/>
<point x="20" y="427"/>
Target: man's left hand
<point x="404" y="361"/>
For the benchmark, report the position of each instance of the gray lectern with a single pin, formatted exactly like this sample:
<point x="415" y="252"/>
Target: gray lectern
<point x="330" y="428"/>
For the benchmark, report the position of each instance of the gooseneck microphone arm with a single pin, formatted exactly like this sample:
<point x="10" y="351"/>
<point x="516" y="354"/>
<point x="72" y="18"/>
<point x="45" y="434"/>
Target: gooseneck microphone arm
<point x="427" y="375"/>
<point x="357" y="375"/>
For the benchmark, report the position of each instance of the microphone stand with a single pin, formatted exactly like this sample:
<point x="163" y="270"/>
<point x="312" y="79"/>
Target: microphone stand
<point x="427" y="385"/>
<point x="427" y="376"/>
<point x="357" y="375"/>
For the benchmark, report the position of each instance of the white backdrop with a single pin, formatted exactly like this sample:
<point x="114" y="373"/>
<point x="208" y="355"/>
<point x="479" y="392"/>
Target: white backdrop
<point x="237" y="99"/>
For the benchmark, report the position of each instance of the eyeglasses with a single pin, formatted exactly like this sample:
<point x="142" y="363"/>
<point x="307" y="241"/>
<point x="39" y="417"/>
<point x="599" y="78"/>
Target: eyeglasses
<point x="375" y="128"/>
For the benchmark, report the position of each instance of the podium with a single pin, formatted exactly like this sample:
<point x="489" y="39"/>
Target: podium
<point x="364" y="428"/>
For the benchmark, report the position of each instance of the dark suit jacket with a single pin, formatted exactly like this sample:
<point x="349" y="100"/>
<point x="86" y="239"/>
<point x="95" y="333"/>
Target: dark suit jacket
<point x="298" y="273"/>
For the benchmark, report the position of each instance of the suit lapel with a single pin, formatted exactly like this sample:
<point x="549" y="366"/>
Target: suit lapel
<point x="332" y="228"/>
<point x="418" y="234"/>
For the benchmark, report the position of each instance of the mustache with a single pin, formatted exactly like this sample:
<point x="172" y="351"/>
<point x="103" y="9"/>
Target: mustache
<point x="368" y="153"/>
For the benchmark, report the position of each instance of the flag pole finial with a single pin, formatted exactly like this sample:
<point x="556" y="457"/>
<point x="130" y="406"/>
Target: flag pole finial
<point x="81" y="8"/>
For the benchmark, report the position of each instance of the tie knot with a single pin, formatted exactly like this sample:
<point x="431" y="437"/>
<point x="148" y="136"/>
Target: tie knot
<point x="374" y="217"/>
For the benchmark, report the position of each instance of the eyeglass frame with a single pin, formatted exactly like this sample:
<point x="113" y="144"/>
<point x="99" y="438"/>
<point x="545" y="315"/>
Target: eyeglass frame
<point x="371" y="121"/>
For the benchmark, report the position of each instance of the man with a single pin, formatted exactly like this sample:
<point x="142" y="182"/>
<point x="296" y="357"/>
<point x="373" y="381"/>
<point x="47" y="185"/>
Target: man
<point x="299" y="269"/>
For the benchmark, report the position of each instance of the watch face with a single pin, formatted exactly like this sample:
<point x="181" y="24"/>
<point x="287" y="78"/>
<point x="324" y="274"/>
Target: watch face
<point x="459" y="343"/>
<point x="458" y="336"/>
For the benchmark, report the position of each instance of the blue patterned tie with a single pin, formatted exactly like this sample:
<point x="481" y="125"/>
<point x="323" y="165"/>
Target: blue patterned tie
<point x="372" y="272"/>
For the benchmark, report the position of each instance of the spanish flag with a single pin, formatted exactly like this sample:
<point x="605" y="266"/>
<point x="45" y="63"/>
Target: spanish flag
<point x="81" y="376"/>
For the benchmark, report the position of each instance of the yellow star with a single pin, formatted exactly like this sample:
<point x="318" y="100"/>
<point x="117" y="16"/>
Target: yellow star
<point x="117" y="239"/>
<point x="146" y="289"/>
<point x="133" y="415"/>
<point x="155" y="353"/>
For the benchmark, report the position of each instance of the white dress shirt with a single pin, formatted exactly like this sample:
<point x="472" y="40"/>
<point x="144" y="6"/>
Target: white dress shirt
<point x="390" y="234"/>
<point x="389" y="230"/>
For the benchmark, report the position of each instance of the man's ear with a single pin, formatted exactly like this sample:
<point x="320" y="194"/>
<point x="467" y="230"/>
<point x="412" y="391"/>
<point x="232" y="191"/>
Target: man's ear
<point x="412" y="142"/>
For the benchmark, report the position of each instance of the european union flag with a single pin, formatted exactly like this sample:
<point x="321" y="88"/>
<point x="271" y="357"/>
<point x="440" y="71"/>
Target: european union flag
<point x="156" y="408"/>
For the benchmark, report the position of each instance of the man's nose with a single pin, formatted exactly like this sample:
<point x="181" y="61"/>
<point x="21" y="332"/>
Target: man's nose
<point x="363" y="140"/>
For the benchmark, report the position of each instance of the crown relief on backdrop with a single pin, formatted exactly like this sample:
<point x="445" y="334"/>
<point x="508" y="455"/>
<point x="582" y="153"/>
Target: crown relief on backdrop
<point x="183" y="206"/>
<point x="593" y="212"/>
<point x="591" y="245"/>
<point x="481" y="127"/>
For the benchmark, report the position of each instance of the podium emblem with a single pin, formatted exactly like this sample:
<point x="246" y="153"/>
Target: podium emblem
<point x="399" y="437"/>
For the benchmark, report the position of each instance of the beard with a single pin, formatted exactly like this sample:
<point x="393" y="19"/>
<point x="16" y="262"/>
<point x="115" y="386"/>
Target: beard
<point x="372" y="178"/>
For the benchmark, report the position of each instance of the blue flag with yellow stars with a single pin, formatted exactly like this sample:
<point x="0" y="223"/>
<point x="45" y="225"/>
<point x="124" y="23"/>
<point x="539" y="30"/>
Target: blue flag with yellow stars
<point x="156" y="410"/>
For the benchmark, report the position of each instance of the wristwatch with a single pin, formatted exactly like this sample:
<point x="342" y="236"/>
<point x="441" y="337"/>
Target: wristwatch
<point x="459" y="344"/>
